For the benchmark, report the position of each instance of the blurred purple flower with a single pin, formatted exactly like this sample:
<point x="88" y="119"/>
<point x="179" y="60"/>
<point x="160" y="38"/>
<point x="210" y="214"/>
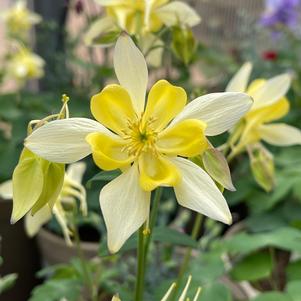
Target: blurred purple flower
<point x="285" y="12"/>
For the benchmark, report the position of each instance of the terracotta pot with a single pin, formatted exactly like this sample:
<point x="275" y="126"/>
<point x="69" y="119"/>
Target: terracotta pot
<point x="54" y="250"/>
<point x="20" y="255"/>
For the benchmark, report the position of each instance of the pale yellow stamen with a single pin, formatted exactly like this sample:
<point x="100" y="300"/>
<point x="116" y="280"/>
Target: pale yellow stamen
<point x="141" y="136"/>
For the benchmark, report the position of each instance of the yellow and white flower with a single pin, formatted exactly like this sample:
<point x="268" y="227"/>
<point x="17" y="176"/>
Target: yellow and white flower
<point x="19" y="19"/>
<point x="24" y="65"/>
<point x="145" y="16"/>
<point x="270" y="104"/>
<point x="149" y="143"/>
<point x="72" y="190"/>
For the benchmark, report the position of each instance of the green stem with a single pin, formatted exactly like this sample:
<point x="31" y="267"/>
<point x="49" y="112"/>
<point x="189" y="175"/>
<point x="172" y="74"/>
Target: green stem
<point x="140" y="267"/>
<point x="87" y="275"/>
<point x="145" y="235"/>
<point x="187" y="257"/>
<point x="153" y="218"/>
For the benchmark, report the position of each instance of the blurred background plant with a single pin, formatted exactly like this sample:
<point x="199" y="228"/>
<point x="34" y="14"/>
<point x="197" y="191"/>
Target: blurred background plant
<point x="65" y="47"/>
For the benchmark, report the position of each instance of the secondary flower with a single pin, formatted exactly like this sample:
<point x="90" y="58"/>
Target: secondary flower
<point x="281" y="12"/>
<point x="149" y="143"/>
<point x="72" y="190"/>
<point x="144" y="16"/>
<point x="270" y="55"/>
<point x="24" y="65"/>
<point x="19" y="19"/>
<point x="270" y="104"/>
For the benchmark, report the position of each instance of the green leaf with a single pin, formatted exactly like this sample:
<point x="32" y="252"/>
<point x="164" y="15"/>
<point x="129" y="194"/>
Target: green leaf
<point x="216" y="292"/>
<point x="54" y="290"/>
<point x="284" y="238"/>
<point x="7" y="282"/>
<point x="294" y="290"/>
<point x="173" y="237"/>
<point x="27" y="184"/>
<point x="253" y="267"/>
<point x="212" y="266"/>
<point x="9" y="108"/>
<point x="272" y="296"/>
<point x="293" y="270"/>
<point x="105" y="176"/>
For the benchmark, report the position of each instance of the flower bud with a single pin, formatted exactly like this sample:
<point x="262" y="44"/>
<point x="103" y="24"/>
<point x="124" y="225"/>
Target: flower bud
<point x="262" y="166"/>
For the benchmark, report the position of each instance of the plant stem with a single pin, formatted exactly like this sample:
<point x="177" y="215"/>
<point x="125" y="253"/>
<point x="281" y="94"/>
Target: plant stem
<point x="186" y="260"/>
<point x="87" y="275"/>
<point x="153" y="218"/>
<point x="145" y="235"/>
<point x="140" y="266"/>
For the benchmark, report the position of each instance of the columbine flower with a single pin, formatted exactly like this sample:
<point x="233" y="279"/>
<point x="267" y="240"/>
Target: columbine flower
<point x="149" y="143"/>
<point x="144" y="16"/>
<point x="25" y="65"/>
<point x="72" y="190"/>
<point x="281" y="12"/>
<point x="19" y="19"/>
<point x="270" y="104"/>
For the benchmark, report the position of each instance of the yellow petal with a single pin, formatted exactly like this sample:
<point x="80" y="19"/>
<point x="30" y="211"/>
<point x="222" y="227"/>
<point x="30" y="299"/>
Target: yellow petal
<point x="269" y="113"/>
<point x="255" y="118"/>
<point x="165" y="101"/>
<point x="255" y="85"/>
<point x="113" y="107"/>
<point x="156" y="170"/>
<point x="108" y="152"/>
<point x="186" y="138"/>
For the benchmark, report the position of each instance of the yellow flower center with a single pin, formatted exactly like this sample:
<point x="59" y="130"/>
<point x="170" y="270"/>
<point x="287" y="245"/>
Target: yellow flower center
<point x="141" y="137"/>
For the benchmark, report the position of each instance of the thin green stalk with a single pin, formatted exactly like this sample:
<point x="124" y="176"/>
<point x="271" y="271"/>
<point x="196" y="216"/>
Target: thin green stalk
<point x="153" y="218"/>
<point x="140" y="276"/>
<point x="145" y="235"/>
<point x="187" y="257"/>
<point x="87" y="276"/>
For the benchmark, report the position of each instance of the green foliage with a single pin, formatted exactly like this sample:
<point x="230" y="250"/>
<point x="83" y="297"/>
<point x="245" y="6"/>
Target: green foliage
<point x="54" y="290"/>
<point x="293" y="270"/>
<point x="282" y="238"/>
<point x="272" y="296"/>
<point x="253" y="267"/>
<point x="216" y="291"/>
<point x="7" y="281"/>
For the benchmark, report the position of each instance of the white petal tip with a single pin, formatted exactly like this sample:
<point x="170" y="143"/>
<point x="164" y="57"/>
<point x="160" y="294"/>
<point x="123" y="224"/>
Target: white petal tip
<point x="113" y="249"/>
<point x="228" y="220"/>
<point x="13" y="221"/>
